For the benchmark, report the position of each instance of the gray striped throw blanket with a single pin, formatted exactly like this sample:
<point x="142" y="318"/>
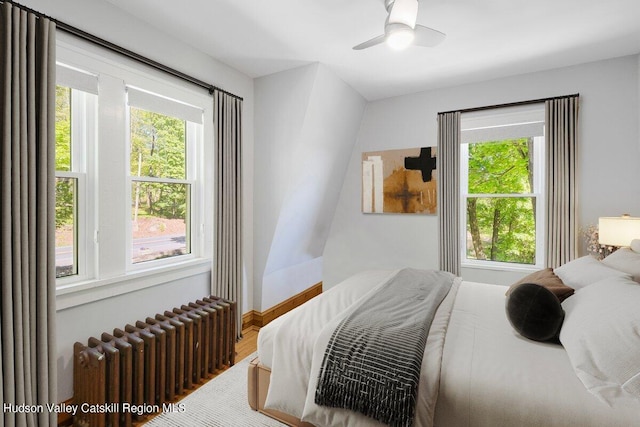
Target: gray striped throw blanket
<point x="372" y="362"/>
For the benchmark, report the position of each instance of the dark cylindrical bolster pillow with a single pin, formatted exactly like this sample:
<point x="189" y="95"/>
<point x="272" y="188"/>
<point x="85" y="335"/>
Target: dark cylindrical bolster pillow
<point x="535" y="312"/>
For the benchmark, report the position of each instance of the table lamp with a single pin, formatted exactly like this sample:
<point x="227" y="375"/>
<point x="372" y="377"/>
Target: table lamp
<point x="618" y="231"/>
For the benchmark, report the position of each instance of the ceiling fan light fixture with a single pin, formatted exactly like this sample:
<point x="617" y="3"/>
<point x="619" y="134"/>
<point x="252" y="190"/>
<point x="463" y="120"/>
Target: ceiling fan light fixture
<point x="399" y="36"/>
<point x="401" y="30"/>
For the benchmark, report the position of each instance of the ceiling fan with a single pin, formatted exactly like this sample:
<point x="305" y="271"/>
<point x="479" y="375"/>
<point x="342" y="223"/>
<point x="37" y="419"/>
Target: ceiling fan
<point x="401" y="30"/>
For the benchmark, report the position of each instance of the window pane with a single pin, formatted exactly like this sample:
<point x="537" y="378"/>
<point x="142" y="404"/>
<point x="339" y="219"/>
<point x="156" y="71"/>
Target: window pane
<point x="157" y="145"/>
<point x="501" y="167"/>
<point x="66" y="223"/>
<point x="63" y="128"/>
<point x="160" y="213"/>
<point x="501" y="229"/>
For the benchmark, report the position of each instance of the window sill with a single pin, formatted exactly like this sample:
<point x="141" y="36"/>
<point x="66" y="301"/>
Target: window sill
<point x="501" y="266"/>
<point x="85" y="292"/>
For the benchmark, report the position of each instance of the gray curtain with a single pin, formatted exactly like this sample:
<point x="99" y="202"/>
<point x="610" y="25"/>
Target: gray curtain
<point x="27" y="257"/>
<point x="449" y="191"/>
<point x="561" y="216"/>
<point x="227" y="276"/>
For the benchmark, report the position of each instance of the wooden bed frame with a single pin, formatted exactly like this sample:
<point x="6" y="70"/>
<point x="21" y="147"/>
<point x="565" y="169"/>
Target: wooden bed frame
<point x="259" y="378"/>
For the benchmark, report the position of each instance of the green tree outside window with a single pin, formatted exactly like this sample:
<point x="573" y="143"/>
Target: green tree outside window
<point x="500" y="224"/>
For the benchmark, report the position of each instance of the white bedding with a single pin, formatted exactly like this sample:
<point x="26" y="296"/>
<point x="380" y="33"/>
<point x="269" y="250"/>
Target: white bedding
<point x="294" y="347"/>
<point x="320" y="310"/>
<point x="493" y="377"/>
<point x="489" y="376"/>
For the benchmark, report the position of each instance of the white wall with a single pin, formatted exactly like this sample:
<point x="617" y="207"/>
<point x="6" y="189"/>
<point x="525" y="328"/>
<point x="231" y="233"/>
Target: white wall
<point x="106" y="21"/>
<point x="306" y="122"/>
<point x="609" y="154"/>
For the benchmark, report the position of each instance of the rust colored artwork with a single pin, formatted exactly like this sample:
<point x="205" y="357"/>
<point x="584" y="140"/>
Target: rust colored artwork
<point x="399" y="181"/>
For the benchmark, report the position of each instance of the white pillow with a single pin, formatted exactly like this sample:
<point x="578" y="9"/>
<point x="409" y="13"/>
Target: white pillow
<point x="601" y="334"/>
<point x="625" y="260"/>
<point x="582" y="272"/>
<point x="635" y="245"/>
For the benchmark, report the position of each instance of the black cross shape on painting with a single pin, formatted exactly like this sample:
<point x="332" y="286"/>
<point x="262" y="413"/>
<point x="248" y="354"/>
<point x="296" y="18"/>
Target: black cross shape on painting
<point x="425" y="163"/>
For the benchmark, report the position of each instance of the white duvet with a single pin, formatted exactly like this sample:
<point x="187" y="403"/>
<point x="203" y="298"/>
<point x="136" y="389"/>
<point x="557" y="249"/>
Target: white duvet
<point x="484" y="375"/>
<point x="293" y="346"/>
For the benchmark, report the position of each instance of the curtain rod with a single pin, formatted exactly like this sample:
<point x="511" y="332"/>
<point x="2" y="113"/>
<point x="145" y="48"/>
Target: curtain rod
<point x="510" y="104"/>
<point x="123" y="51"/>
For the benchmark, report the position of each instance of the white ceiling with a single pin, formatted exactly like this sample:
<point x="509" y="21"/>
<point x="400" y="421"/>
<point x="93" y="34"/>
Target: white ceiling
<point x="485" y="38"/>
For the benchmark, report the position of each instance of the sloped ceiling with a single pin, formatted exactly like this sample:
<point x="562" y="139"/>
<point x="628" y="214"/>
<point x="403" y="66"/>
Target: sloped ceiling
<point x="307" y="121"/>
<point x="485" y="39"/>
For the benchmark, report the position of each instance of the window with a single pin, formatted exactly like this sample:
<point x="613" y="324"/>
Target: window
<point x="130" y="193"/>
<point x="66" y="194"/>
<point x="161" y="152"/>
<point x="502" y="168"/>
<point x="75" y="121"/>
<point x="160" y="203"/>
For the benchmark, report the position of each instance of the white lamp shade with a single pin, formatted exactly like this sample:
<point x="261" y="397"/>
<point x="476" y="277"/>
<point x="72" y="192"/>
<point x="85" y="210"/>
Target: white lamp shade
<point x="399" y="36"/>
<point x="618" y="231"/>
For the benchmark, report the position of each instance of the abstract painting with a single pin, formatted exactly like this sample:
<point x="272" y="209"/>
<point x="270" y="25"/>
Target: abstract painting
<point x="399" y="181"/>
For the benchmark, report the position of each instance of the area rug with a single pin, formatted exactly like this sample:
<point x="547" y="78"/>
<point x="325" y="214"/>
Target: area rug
<point x="220" y="402"/>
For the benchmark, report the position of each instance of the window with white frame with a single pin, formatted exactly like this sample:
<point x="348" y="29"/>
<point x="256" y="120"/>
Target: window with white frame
<point x="163" y="139"/>
<point x="76" y="107"/>
<point x="502" y="181"/>
<point x="130" y="157"/>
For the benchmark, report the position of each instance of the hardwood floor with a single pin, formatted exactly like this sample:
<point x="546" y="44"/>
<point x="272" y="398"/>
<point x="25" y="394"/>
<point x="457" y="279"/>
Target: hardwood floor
<point x="248" y="344"/>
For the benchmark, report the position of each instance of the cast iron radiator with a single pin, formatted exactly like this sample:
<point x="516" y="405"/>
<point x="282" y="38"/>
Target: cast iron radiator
<point x="133" y="372"/>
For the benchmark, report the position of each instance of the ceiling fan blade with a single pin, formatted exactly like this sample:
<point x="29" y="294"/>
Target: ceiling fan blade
<point x="404" y="12"/>
<point x="374" y="41"/>
<point x="427" y="37"/>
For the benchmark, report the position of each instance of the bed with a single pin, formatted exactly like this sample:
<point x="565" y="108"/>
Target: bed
<point x="476" y="369"/>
